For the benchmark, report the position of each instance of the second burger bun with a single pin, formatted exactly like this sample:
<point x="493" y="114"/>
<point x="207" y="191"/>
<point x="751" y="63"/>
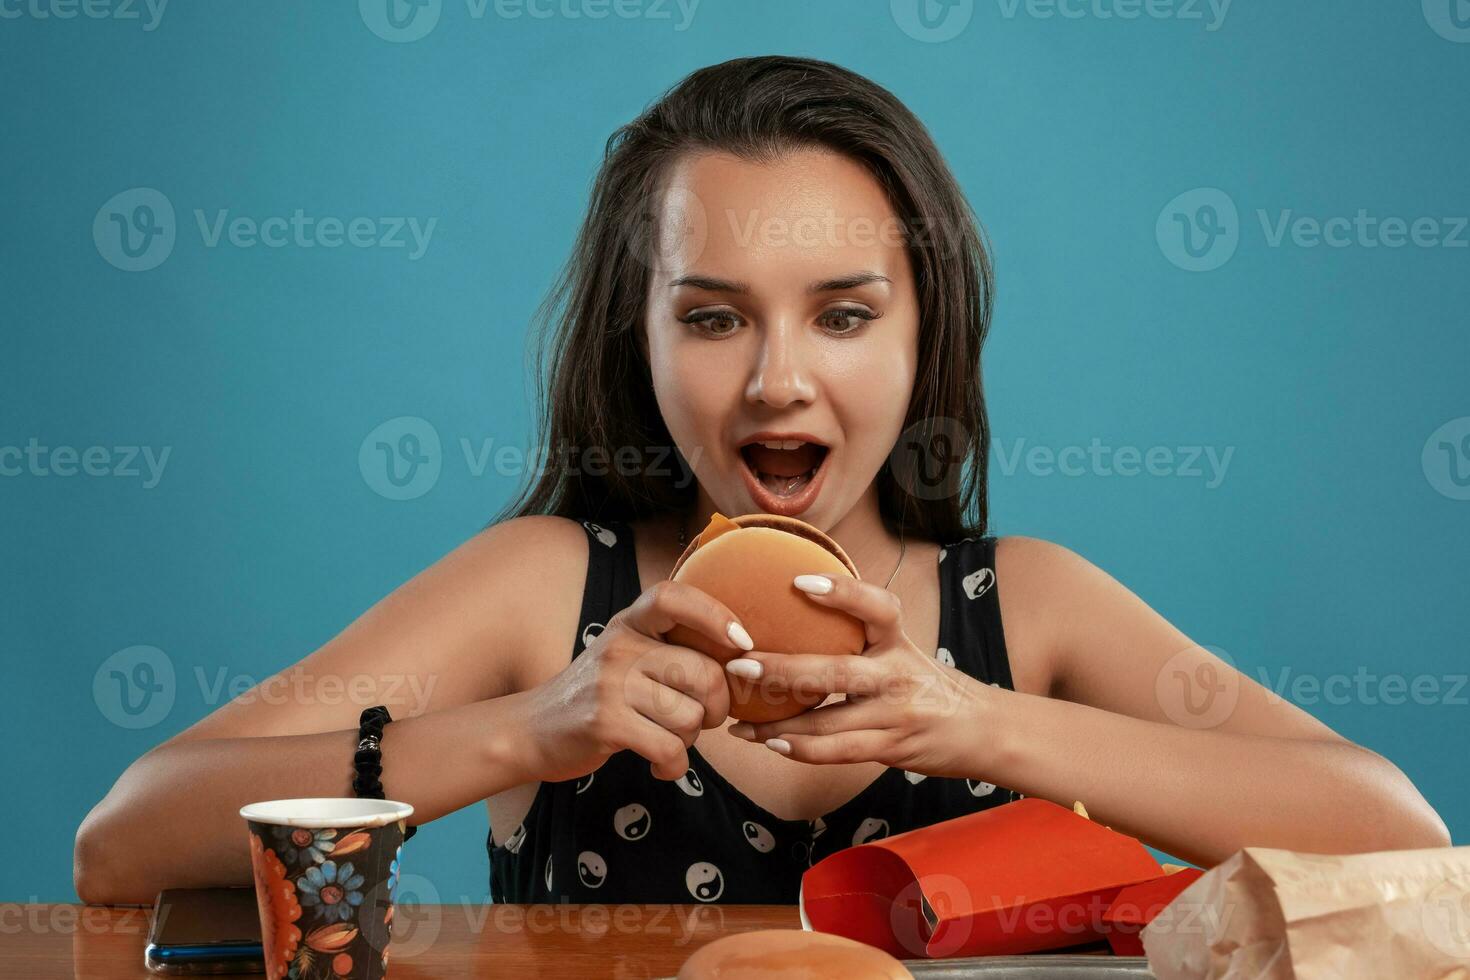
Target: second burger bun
<point x="748" y="563"/>
<point x="790" y="954"/>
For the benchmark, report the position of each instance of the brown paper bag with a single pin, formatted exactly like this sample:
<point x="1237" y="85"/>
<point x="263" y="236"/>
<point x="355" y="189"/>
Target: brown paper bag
<point x="1268" y="914"/>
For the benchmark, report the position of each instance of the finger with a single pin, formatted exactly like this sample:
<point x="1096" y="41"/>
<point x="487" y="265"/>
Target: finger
<point x="680" y="669"/>
<point x="879" y="609"/>
<point x="667" y="604"/>
<point x="671" y="710"/>
<point x="810" y="674"/>
<point x="666" y="753"/>
<point x="866" y="745"/>
<point x="829" y="719"/>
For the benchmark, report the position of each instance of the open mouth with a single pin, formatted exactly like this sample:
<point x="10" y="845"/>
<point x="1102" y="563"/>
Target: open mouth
<point x="784" y="467"/>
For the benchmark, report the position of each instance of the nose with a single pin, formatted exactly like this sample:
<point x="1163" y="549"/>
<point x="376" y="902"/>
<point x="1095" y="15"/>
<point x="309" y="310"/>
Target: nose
<point x="781" y="375"/>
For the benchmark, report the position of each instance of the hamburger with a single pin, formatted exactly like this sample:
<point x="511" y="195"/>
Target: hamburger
<point x="748" y="563"/>
<point x="790" y="954"/>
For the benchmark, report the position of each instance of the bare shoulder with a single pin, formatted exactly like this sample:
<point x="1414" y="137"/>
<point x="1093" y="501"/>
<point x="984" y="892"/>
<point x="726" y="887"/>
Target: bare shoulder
<point x="1039" y="561"/>
<point x="477" y="624"/>
<point x="1092" y="640"/>
<point x="541" y="542"/>
<point x="537" y="565"/>
<point x="1036" y="580"/>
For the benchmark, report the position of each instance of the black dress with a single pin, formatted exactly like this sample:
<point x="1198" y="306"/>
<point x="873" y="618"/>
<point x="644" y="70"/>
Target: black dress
<point x="620" y="834"/>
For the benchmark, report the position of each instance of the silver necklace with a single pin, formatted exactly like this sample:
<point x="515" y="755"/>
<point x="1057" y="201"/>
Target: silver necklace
<point x="903" y="547"/>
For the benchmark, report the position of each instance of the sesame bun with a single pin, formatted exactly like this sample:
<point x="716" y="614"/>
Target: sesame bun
<point x="748" y="563"/>
<point x="790" y="954"/>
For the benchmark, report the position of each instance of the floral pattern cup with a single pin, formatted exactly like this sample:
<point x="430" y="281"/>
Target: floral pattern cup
<point x="326" y="875"/>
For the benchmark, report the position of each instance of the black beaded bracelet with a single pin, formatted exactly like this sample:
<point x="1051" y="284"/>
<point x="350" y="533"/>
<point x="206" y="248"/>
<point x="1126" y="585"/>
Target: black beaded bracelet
<point x="367" y="761"/>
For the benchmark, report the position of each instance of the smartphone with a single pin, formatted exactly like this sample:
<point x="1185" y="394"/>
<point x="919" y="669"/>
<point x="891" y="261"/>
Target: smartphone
<point x="205" y="930"/>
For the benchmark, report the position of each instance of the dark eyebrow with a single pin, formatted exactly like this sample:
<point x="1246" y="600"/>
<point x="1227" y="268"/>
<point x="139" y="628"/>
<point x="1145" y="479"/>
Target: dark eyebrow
<point x="714" y="285"/>
<point x="711" y="284"/>
<point x="852" y="281"/>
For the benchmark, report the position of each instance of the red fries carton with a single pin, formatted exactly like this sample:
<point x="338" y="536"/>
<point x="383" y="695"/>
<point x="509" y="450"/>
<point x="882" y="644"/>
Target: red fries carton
<point x="1019" y="878"/>
<point x="1136" y="906"/>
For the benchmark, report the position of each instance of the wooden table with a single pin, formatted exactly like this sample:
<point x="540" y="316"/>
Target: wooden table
<point x="49" y="942"/>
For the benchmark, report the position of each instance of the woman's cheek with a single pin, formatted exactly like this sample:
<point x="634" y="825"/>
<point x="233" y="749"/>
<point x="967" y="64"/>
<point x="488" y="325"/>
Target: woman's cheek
<point x="876" y="381"/>
<point x="690" y="396"/>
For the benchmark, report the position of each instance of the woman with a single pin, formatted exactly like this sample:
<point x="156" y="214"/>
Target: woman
<point x="779" y="277"/>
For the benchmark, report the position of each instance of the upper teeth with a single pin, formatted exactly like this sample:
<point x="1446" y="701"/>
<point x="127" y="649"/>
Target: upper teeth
<point x="784" y="444"/>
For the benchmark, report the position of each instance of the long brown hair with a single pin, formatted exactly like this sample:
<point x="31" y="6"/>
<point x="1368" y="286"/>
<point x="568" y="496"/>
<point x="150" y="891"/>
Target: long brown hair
<point x="591" y="362"/>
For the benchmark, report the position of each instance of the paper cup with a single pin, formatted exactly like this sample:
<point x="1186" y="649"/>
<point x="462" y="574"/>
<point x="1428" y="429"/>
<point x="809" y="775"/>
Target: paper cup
<point x="326" y="872"/>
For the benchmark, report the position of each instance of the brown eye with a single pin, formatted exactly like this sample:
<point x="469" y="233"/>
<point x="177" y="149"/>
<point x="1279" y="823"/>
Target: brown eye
<point x="847" y="320"/>
<point x="714" y="323"/>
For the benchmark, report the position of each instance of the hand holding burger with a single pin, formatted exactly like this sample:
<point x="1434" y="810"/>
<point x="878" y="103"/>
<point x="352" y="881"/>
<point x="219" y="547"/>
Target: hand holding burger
<point x="820" y="630"/>
<point x="748" y="564"/>
<point x="631" y="689"/>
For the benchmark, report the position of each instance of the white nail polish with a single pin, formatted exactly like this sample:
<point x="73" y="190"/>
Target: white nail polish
<point x="739" y="637"/>
<point x="741" y="667"/>
<point x="815" y="584"/>
<point x="779" y="745"/>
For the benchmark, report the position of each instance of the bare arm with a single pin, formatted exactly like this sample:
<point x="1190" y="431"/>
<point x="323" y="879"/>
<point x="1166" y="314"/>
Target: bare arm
<point x="447" y="652"/>
<point x="1166" y="741"/>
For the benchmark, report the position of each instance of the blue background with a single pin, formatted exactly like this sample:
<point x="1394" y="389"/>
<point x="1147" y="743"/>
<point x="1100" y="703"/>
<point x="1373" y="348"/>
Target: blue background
<point x="1327" y="548"/>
